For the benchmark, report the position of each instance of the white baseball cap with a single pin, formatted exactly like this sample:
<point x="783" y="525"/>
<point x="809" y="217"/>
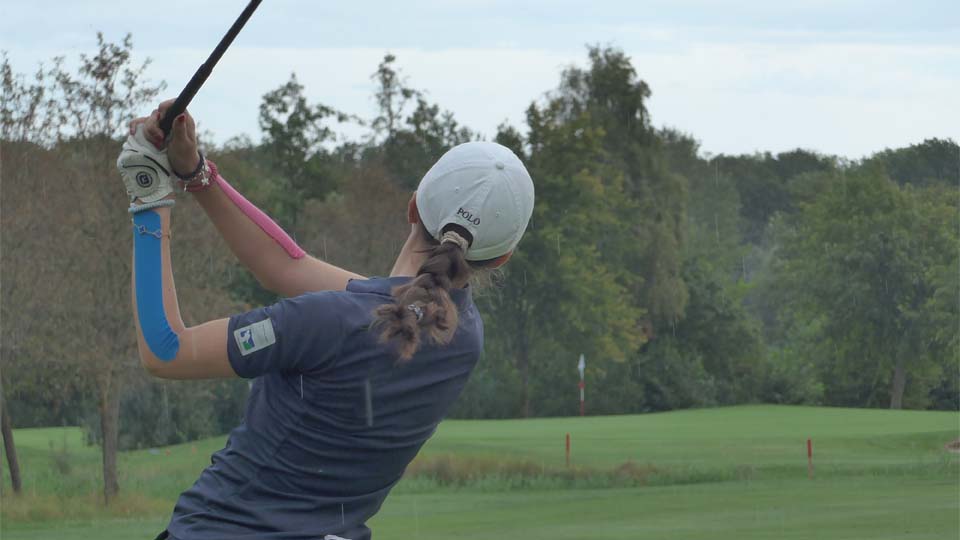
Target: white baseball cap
<point x="482" y="187"/>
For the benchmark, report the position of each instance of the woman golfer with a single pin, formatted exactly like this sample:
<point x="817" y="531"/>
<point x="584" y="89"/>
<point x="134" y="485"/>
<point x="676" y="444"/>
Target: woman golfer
<point x="351" y="375"/>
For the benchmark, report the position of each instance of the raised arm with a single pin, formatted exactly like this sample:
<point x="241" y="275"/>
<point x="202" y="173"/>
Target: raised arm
<point x="261" y="245"/>
<point x="248" y="344"/>
<point x="167" y="347"/>
<point x="278" y="263"/>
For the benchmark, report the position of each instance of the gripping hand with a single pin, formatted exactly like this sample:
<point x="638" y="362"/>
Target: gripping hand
<point x="145" y="170"/>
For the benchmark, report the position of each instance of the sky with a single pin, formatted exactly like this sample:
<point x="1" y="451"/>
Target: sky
<point x="843" y="77"/>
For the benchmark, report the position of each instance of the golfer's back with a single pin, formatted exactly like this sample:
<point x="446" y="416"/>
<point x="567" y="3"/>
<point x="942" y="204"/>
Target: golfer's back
<point x="332" y="419"/>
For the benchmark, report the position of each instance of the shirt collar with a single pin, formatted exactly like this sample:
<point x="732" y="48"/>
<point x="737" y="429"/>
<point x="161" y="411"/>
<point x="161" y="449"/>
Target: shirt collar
<point x="384" y="287"/>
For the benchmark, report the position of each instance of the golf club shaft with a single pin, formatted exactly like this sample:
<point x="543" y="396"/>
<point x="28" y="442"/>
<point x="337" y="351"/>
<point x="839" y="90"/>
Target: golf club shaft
<point x="190" y="90"/>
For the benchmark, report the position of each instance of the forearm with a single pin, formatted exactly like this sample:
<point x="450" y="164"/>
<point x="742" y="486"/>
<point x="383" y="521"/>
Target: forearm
<point x="256" y="240"/>
<point x="167" y="347"/>
<point x="262" y="246"/>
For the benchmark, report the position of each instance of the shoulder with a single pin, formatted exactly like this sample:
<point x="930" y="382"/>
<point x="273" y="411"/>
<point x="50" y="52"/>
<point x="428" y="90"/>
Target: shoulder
<point x="347" y="310"/>
<point x="312" y="306"/>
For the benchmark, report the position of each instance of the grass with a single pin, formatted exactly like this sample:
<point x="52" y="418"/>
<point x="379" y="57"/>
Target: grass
<point x="757" y="435"/>
<point x="728" y="473"/>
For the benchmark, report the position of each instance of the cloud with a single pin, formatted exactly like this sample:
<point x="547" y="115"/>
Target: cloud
<point x="850" y="99"/>
<point x="843" y="78"/>
<point x="483" y="87"/>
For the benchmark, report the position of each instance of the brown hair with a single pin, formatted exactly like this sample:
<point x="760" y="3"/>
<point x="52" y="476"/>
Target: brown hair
<point x="424" y="306"/>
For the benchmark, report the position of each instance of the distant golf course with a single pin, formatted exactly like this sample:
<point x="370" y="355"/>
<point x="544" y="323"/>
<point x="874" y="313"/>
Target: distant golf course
<point x="727" y="473"/>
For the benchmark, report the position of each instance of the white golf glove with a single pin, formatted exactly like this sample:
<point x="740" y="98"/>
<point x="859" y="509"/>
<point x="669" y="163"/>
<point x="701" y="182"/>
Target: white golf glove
<point x="145" y="170"/>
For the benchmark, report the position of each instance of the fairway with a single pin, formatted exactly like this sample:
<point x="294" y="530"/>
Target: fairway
<point x="750" y="435"/>
<point x="732" y="473"/>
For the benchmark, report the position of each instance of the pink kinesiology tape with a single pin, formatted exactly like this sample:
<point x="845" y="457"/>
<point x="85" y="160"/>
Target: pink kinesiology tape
<point x="260" y="218"/>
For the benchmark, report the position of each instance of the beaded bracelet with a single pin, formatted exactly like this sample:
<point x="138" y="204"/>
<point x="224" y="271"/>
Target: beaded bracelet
<point x="203" y="182"/>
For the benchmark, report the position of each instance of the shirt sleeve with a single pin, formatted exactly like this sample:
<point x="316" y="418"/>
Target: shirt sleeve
<point x="295" y="335"/>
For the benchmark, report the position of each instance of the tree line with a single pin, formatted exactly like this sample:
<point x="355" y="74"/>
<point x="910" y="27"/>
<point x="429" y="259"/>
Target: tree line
<point x="686" y="280"/>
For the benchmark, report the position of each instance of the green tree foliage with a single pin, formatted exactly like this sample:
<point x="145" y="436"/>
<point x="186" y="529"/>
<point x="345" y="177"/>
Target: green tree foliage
<point x="866" y="260"/>
<point x="408" y="143"/>
<point x="716" y="353"/>
<point x="934" y="161"/>
<point x="610" y="97"/>
<point x="940" y="314"/>
<point x="356" y="230"/>
<point x="713" y="356"/>
<point x="295" y="133"/>
<point x="713" y="211"/>
<point x="561" y="297"/>
<point x="160" y="413"/>
<point x="762" y="184"/>
<point x="577" y="284"/>
<point x="296" y="162"/>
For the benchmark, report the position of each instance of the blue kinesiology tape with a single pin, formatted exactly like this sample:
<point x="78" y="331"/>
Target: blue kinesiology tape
<point x="147" y="262"/>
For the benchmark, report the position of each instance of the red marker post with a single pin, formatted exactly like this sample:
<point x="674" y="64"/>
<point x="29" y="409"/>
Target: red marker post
<point x="810" y="458"/>
<point x="568" y="450"/>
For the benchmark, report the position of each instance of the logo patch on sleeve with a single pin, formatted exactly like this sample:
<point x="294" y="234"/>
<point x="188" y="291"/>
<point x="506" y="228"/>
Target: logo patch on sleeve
<point x="257" y="336"/>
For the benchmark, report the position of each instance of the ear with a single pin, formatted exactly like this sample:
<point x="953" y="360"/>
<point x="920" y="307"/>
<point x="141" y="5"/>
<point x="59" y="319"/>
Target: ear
<point x="500" y="261"/>
<point x="413" y="213"/>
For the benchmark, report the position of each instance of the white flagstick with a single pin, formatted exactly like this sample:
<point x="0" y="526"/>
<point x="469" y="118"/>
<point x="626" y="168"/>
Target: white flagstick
<point x="581" y="366"/>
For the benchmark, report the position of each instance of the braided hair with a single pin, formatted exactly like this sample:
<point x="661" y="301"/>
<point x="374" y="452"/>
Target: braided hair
<point x="423" y="307"/>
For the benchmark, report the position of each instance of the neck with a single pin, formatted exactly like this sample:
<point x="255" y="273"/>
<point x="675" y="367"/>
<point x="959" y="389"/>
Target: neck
<point x="412" y="256"/>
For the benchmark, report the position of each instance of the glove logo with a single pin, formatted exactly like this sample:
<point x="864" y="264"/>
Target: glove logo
<point x="144" y="180"/>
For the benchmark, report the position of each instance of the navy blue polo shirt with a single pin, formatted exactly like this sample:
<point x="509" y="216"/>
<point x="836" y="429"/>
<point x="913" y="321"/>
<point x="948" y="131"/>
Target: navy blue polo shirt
<point x="332" y="419"/>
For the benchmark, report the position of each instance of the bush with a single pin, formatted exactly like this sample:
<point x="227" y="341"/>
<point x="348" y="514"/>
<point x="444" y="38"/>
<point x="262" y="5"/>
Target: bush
<point x="788" y="379"/>
<point x="160" y="413"/>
